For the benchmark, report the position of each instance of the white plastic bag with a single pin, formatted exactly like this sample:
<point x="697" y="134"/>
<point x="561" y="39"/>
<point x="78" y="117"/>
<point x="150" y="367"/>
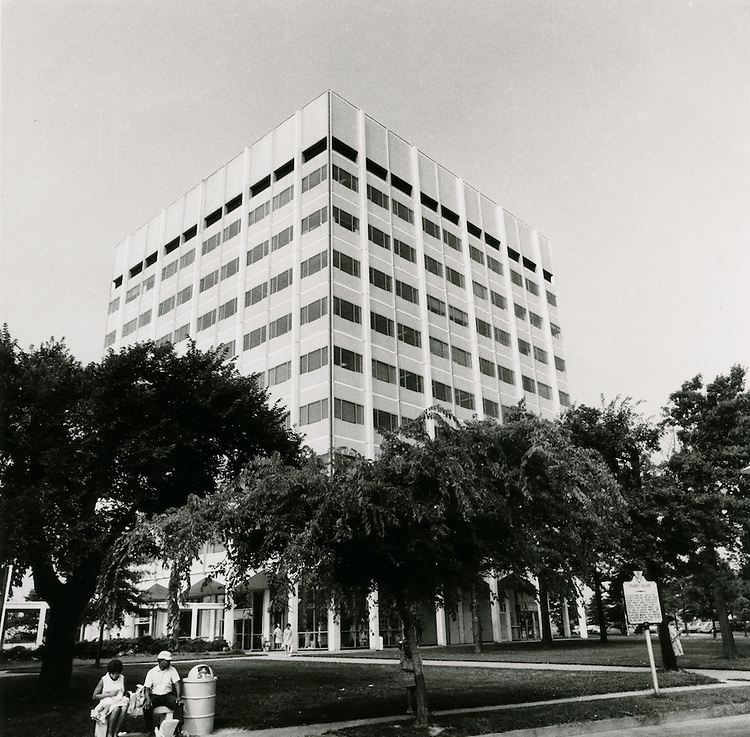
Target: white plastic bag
<point x="137" y="701"/>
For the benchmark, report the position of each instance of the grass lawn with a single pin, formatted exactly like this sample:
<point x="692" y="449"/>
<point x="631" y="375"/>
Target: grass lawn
<point x="700" y="652"/>
<point x="260" y="692"/>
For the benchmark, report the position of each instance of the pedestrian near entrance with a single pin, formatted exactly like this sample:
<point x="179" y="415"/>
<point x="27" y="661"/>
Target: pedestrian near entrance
<point x="674" y="635"/>
<point x="163" y="687"/>
<point x="277" y="635"/>
<point x="407" y="675"/>
<point x="287" y="639"/>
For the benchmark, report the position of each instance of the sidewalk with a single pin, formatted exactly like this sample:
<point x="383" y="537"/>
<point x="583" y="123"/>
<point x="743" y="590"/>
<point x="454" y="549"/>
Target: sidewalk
<point x="725" y="678"/>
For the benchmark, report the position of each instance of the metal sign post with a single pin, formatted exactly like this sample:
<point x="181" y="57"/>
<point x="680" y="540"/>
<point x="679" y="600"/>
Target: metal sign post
<point x="642" y="606"/>
<point x="651" y="659"/>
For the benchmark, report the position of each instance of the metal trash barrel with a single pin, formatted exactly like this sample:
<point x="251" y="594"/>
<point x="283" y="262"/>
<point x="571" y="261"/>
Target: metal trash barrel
<point x="199" y="701"/>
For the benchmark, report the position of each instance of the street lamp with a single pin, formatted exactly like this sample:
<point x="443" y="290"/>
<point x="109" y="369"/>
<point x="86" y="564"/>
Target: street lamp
<point x="746" y="470"/>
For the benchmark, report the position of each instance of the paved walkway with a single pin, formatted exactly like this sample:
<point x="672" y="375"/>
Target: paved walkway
<point x="498" y="664"/>
<point x="730" y="726"/>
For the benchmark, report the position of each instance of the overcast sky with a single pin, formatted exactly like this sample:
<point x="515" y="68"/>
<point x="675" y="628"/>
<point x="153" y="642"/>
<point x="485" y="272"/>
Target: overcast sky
<point x="619" y="129"/>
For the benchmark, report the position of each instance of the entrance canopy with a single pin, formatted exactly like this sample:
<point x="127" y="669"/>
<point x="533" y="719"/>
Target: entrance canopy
<point x="258" y="582"/>
<point x="205" y="587"/>
<point x="156" y="593"/>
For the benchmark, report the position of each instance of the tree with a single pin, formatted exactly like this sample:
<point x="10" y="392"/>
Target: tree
<point x="431" y="513"/>
<point x="414" y="524"/>
<point x="648" y="539"/>
<point x="434" y="511"/>
<point x="117" y="594"/>
<point x="87" y="451"/>
<point x="712" y="424"/>
<point x="573" y="505"/>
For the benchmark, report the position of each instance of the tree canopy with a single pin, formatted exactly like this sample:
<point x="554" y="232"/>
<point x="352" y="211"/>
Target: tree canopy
<point x="712" y="427"/>
<point x="88" y="451"/>
<point x="433" y="512"/>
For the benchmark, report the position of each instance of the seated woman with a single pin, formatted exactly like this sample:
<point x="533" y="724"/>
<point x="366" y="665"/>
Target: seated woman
<point x="112" y="703"/>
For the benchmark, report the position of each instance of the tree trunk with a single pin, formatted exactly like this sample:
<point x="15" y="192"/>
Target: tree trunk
<point x="668" y="658"/>
<point x="99" y="646"/>
<point x="599" y="604"/>
<point x="173" y="607"/>
<point x="63" y="619"/>
<point x="422" y="718"/>
<point x="476" y="624"/>
<point x="727" y="638"/>
<point x="544" y="611"/>
<point x="67" y="602"/>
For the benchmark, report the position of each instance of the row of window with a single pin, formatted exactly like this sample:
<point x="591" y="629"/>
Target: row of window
<point x="397" y="183"/>
<point x="151" y="259"/>
<point x="223" y="312"/>
<point x="385" y="326"/>
<point x="309" y="182"/>
<point x="353" y="313"/>
<point x="348" y="310"/>
<point x="435" y="230"/>
<point x="348" y="264"/>
<point x="213" y="242"/>
<point x="350" y="181"/>
<point x="230" y="231"/>
<point x="386" y="372"/>
<point x="384" y="281"/>
<point x="385" y="421"/>
<point x="341" y="308"/>
<point x="352" y="361"/>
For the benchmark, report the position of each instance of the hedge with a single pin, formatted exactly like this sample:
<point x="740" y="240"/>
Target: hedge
<point x="88" y="649"/>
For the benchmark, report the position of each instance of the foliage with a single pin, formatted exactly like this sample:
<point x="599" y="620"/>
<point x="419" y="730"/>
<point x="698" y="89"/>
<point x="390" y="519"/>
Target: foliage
<point x="625" y="441"/>
<point x="19" y="653"/>
<point x="88" y="451"/>
<point x="573" y="500"/>
<point x="87" y="649"/>
<point x="434" y="510"/>
<point x="645" y="539"/>
<point x="117" y="594"/>
<point x="712" y="424"/>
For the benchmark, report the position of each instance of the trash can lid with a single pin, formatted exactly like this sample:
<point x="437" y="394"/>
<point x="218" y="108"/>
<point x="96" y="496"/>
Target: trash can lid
<point x="200" y="672"/>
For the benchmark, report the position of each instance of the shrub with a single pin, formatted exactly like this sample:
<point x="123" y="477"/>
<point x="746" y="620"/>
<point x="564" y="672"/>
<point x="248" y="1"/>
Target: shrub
<point x="20" y="653"/>
<point x="87" y="649"/>
<point x="203" y="646"/>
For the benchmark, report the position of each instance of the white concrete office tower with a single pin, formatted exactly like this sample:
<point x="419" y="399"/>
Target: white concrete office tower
<point x="363" y="281"/>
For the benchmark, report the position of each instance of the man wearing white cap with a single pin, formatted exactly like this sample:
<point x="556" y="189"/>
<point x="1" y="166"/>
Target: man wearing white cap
<point x="163" y="687"/>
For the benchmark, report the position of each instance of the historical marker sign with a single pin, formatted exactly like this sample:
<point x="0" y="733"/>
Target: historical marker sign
<point x="641" y="600"/>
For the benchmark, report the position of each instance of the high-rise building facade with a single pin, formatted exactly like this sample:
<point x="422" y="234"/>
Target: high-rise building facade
<point x="363" y="281"/>
<point x="360" y="279"/>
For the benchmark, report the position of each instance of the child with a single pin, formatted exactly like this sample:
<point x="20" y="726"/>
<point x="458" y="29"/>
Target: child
<point x="112" y="699"/>
<point x="674" y="635"/>
<point x="407" y="676"/>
